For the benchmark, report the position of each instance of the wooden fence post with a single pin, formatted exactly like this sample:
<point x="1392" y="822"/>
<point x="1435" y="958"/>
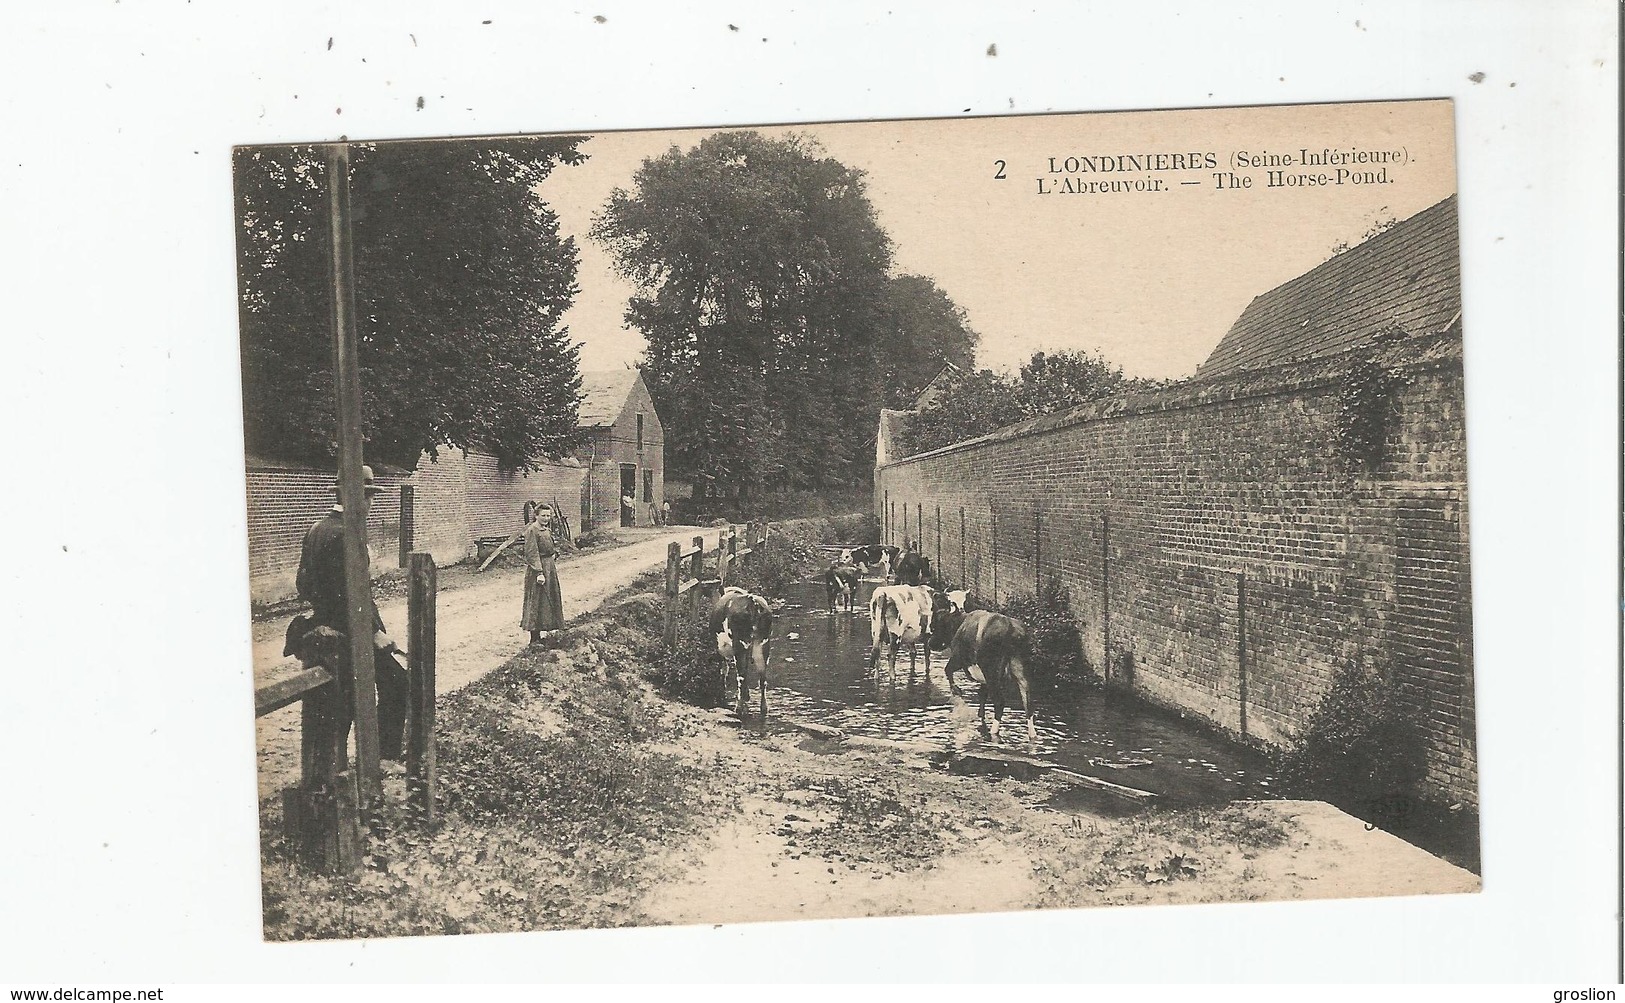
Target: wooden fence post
<point x="408" y="523"/>
<point x="422" y="777"/>
<point x="696" y="570"/>
<point x="320" y="817"/>
<point x="673" y="574"/>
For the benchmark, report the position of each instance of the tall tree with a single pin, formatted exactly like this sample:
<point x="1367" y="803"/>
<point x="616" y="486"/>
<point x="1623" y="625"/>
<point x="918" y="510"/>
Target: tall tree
<point x="761" y="277"/>
<point x="923" y="330"/>
<point x="461" y="279"/>
<point x="985" y="400"/>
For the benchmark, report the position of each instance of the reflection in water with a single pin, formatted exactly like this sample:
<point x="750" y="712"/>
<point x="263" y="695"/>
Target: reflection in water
<point x="820" y="674"/>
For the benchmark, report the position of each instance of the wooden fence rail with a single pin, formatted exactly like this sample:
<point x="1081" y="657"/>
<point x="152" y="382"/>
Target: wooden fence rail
<point x="322" y="815"/>
<point x="685" y="569"/>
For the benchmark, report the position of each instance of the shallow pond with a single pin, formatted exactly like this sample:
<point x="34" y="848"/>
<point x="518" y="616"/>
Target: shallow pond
<point x="820" y="673"/>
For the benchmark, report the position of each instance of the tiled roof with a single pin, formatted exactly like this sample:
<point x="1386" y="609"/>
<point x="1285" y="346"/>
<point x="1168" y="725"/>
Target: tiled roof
<point x="603" y="396"/>
<point x="1408" y="276"/>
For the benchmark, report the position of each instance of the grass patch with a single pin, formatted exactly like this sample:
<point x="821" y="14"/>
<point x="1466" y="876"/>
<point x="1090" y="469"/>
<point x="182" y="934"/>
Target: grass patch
<point x="1084" y="864"/>
<point x="554" y="800"/>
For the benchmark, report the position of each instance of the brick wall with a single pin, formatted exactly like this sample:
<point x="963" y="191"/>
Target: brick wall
<point x="1152" y="507"/>
<point x="457" y="498"/>
<point x="284" y="501"/>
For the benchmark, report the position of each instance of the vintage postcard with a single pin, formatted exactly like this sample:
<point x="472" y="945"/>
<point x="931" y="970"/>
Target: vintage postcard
<point x="857" y="519"/>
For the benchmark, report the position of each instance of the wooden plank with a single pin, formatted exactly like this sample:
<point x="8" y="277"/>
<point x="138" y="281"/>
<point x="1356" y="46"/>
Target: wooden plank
<point x="687" y="584"/>
<point x="1105" y="785"/>
<point x="1000" y="756"/>
<point x="497" y="552"/>
<point x="347" y="388"/>
<point x="816" y="730"/>
<point x="688" y="552"/>
<point x="422" y="775"/>
<point x="280" y="694"/>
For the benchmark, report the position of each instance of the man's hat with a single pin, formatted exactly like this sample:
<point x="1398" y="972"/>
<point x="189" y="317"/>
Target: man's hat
<point x="368" y="484"/>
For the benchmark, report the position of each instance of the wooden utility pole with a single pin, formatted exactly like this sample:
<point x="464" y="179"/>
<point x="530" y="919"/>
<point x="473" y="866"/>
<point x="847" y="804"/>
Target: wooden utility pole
<point x="347" y="383"/>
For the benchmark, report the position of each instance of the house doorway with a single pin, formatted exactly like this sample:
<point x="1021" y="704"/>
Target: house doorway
<point x="629" y="488"/>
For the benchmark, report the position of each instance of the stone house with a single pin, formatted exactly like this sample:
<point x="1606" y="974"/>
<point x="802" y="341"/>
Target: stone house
<point x="623" y="452"/>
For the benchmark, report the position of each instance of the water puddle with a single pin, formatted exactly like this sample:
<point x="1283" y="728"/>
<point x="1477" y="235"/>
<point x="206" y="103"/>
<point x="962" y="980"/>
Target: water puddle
<point x="821" y="675"/>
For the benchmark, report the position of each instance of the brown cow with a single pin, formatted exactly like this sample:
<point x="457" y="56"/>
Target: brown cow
<point x="995" y="643"/>
<point x="743" y="624"/>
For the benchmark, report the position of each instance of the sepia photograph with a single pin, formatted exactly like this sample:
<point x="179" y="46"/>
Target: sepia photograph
<point x="857" y="519"/>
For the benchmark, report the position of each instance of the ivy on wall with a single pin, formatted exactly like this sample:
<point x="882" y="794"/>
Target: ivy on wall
<point x="1367" y="407"/>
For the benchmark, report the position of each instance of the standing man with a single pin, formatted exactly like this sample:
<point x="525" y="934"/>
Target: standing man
<point x="321" y="583"/>
<point x="628" y="512"/>
<point x="665" y="513"/>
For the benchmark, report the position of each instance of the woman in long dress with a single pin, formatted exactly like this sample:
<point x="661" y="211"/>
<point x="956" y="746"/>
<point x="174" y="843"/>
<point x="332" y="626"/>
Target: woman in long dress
<point x="544" y="603"/>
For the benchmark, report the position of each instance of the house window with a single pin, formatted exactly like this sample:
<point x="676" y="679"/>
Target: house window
<point x="640" y="434"/>
<point x="648" y="485"/>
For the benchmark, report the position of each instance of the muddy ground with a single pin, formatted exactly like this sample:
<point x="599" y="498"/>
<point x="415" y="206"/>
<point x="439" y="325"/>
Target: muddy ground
<point x="575" y="795"/>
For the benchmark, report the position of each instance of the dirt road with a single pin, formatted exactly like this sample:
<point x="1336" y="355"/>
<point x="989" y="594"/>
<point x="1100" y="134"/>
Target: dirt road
<point x="477" y="629"/>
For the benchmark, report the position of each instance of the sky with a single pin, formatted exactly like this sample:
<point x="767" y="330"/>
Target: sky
<point x="1150" y="279"/>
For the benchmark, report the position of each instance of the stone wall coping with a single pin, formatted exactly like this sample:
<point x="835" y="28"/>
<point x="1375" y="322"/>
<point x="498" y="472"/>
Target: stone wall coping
<point x="1412" y="354"/>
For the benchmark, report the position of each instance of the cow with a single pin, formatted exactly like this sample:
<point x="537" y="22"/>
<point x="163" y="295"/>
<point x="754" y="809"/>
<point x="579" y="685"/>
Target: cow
<point x="743" y="625"/>
<point x="959" y="599"/>
<point x="841" y="585"/>
<point x="875" y="556"/>
<point x="913" y="569"/>
<point x="900" y="614"/>
<point x="994" y="643"/>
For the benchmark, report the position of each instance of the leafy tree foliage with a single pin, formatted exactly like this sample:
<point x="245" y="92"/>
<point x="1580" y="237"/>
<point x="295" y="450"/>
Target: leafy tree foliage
<point x="922" y="331"/>
<point x="762" y="297"/>
<point x="984" y="400"/>
<point x="461" y="278"/>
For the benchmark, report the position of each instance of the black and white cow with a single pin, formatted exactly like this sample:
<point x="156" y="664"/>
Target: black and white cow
<point x="876" y="555"/>
<point x="743" y="625"/>
<point x="899" y="615"/>
<point x="913" y="568"/>
<point x="841" y="586"/>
